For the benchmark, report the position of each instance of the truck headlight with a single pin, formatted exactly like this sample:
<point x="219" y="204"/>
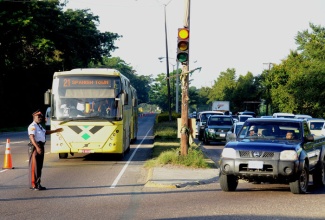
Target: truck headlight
<point x="228" y="153"/>
<point x="210" y="130"/>
<point x="288" y="155"/>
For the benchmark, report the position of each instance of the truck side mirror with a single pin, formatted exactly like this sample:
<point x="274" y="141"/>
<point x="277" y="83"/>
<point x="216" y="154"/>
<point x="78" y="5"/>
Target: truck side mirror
<point x="309" y="138"/>
<point x="232" y="136"/>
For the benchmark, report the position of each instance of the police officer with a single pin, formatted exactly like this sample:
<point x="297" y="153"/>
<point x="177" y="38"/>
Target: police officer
<point x="37" y="137"/>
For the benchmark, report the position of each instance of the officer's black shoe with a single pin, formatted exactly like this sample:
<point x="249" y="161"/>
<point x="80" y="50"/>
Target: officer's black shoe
<point x="39" y="187"/>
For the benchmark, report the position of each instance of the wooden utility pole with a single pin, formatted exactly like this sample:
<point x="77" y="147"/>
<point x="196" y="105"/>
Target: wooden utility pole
<point x="185" y="130"/>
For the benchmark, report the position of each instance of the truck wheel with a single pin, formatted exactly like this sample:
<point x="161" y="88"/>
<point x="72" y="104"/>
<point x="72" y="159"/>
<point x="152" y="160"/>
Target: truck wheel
<point x="228" y="183"/>
<point x="319" y="175"/>
<point x="300" y="186"/>
<point x="63" y="155"/>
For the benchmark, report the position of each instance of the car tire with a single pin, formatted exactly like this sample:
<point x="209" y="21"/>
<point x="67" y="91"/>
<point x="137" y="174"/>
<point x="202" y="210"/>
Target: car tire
<point x="300" y="185"/>
<point x="228" y="183"/>
<point x="319" y="175"/>
<point x="205" y="140"/>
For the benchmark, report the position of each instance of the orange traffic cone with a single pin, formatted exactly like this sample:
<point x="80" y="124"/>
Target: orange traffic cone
<point x="7" y="162"/>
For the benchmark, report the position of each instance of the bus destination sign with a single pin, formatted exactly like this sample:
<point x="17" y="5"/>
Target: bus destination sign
<point x="79" y="82"/>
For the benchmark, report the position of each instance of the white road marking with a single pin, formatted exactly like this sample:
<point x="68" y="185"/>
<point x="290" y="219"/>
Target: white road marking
<point x="127" y="163"/>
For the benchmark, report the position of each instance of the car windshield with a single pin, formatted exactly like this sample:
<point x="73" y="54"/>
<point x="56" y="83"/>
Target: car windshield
<point x="316" y="125"/>
<point x="271" y="130"/>
<point x="238" y="127"/>
<point x="220" y="121"/>
<point x="205" y="116"/>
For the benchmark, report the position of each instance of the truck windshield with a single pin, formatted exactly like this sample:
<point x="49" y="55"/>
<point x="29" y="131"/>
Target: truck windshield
<point x="271" y="130"/>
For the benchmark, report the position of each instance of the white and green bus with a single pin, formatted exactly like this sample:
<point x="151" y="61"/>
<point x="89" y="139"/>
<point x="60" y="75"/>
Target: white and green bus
<point x="97" y="109"/>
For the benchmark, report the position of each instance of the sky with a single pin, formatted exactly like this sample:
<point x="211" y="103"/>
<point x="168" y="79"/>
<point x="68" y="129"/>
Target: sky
<point x="242" y="34"/>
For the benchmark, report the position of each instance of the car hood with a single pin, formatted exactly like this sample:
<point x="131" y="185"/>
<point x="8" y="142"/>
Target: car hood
<point x="272" y="145"/>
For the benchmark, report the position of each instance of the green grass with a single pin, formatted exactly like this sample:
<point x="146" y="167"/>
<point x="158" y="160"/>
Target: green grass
<point x="166" y="149"/>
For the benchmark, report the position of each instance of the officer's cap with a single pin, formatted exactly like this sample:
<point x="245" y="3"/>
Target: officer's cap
<point x="37" y="112"/>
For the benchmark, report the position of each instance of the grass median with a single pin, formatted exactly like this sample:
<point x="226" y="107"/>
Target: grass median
<point x="166" y="149"/>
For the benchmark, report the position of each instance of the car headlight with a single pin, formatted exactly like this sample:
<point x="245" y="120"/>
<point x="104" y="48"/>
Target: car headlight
<point x="228" y="153"/>
<point x="288" y="155"/>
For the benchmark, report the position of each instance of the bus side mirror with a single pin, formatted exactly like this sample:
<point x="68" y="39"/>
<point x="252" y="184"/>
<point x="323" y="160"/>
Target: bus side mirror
<point x="122" y="97"/>
<point x="47" y="97"/>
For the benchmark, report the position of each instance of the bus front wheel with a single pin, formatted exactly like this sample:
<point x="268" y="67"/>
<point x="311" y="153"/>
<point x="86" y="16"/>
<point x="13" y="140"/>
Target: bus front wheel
<point x="63" y="155"/>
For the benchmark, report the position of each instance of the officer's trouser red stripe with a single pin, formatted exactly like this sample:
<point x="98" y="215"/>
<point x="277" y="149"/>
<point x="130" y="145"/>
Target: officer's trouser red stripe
<point x="32" y="169"/>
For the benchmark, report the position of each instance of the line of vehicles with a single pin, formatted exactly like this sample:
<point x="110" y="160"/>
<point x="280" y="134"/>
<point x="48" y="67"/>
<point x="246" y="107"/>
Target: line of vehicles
<point x="209" y="130"/>
<point x="283" y="148"/>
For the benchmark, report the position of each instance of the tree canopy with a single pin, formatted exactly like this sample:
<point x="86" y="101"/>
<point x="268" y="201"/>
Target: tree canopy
<point x="38" y="38"/>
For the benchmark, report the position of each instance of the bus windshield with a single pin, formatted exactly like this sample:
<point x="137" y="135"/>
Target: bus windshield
<point x="85" y="97"/>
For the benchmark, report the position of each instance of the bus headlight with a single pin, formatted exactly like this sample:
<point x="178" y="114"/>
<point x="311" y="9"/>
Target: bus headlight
<point x="228" y="153"/>
<point x="288" y="155"/>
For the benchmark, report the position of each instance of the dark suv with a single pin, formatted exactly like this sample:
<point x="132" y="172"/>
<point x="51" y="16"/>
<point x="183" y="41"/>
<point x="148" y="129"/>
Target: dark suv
<point x="217" y="127"/>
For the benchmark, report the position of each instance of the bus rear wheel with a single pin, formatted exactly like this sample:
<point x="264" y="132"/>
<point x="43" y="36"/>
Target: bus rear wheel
<point x="63" y="155"/>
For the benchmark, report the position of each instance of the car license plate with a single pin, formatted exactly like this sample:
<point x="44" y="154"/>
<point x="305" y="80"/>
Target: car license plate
<point x="222" y="135"/>
<point x="255" y="164"/>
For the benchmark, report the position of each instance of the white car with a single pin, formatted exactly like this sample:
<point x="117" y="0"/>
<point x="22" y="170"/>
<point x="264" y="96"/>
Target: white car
<point x="234" y="130"/>
<point x="315" y="125"/>
<point x="283" y="115"/>
<point x="243" y="118"/>
<point x="303" y="117"/>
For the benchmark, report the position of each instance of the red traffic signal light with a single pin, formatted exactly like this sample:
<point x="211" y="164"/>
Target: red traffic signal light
<point x="183" y="45"/>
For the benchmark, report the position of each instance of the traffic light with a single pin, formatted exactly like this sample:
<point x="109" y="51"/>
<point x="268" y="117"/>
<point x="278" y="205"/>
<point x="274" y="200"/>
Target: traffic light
<point x="183" y="40"/>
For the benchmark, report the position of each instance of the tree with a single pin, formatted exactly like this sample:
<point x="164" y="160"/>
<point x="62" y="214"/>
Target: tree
<point x="158" y="92"/>
<point x="140" y="83"/>
<point x="202" y="102"/>
<point x="224" y="83"/>
<point x="38" y="38"/>
<point x="296" y="83"/>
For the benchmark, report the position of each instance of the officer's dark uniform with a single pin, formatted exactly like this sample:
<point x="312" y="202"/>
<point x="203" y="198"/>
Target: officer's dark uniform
<point x="35" y="159"/>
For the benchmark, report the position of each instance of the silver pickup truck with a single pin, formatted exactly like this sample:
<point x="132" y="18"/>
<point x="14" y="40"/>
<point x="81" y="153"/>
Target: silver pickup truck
<point x="273" y="150"/>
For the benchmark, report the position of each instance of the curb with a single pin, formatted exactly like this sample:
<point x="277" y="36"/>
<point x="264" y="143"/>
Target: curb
<point x="150" y="183"/>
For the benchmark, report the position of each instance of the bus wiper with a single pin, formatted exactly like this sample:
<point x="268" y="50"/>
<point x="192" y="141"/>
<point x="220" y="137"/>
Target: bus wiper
<point x="74" y="119"/>
<point x="103" y="118"/>
<point x="65" y="121"/>
<point x="86" y="119"/>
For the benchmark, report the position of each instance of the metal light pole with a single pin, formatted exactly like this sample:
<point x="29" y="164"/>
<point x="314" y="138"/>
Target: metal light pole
<point x="177" y="82"/>
<point x="177" y="87"/>
<point x="167" y="66"/>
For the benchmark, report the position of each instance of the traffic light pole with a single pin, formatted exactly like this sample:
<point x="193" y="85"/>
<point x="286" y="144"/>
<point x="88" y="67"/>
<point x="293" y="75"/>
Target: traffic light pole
<point x="185" y="130"/>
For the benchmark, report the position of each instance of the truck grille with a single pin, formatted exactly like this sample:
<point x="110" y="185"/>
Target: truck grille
<point x="255" y="154"/>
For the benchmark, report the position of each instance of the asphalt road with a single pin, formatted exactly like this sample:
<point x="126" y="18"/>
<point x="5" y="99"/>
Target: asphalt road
<point x="99" y="187"/>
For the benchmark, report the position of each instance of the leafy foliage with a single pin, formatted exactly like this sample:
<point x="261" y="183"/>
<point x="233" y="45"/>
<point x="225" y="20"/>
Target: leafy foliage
<point x="140" y="83"/>
<point x="38" y="38"/>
